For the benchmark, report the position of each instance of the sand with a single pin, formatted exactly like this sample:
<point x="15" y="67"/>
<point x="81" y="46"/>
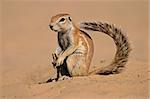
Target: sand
<point x="27" y="44"/>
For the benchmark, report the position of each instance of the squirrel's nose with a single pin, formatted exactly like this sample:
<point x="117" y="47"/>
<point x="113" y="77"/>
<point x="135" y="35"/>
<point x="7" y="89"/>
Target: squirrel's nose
<point x="51" y="27"/>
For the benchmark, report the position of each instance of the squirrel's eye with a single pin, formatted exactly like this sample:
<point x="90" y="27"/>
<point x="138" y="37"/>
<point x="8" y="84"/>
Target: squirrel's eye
<point x="62" y="19"/>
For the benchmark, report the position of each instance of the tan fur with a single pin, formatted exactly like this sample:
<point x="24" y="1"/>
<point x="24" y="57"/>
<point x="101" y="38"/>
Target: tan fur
<point x="76" y="47"/>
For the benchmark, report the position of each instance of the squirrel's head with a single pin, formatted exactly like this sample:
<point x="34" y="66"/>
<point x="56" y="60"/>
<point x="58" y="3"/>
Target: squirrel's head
<point x="61" y="23"/>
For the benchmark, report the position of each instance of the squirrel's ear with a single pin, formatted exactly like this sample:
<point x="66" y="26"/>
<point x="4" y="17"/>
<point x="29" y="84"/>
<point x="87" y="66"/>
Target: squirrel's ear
<point x="69" y="18"/>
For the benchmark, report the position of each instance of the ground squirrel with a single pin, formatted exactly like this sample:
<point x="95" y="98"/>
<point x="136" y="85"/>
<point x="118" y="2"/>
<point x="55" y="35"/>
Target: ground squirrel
<point x="75" y="47"/>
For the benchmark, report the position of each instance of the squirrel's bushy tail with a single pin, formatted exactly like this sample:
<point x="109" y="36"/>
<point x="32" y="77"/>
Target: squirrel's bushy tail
<point x="122" y="45"/>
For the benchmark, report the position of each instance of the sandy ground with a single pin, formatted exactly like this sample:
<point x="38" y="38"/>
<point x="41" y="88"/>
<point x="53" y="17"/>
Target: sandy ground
<point x="27" y="44"/>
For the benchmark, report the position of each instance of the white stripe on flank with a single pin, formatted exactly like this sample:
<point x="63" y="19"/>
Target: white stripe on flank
<point x="86" y="43"/>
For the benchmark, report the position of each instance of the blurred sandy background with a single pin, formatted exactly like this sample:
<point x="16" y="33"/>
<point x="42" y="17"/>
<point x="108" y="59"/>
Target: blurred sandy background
<point x="27" y="44"/>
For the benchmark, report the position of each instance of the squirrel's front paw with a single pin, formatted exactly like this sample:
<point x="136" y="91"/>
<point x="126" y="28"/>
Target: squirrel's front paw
<point x="54" y="59"/>
<point x="59" y="61"/>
